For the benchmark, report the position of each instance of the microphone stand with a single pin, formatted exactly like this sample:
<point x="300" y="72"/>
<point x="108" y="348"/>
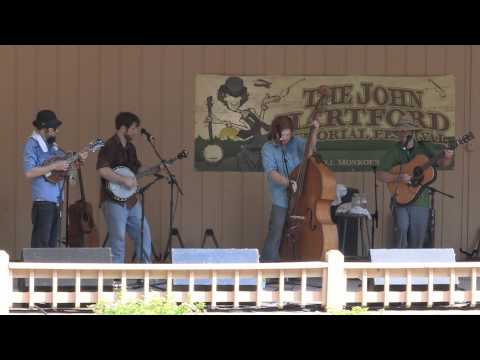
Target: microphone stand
<point x="375" y="214"/>
<point x="142" y="225"/>
<point x="67" y="217"/>
<point x="60" y="208"/>
<point x="393" y="205"/>
<point x="66" y="185"/>
<point x="171" y="181"/>
<point x="289" y="237"/>
<point x="431" y="227"/>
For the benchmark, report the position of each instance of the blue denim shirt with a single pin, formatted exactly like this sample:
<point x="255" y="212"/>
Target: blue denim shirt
<point x="33" y="156"/>
<point x="272" y="159"/>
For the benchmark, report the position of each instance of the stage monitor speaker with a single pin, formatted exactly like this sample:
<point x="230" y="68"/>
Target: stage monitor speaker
<point x="67" y="255"/>
<point x="215" y="256"/>
<point x="422" y="256"/>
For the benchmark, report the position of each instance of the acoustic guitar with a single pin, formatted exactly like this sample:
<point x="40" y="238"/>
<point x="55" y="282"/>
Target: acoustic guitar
<point x="423" y="172"/>
<point x="81" y="228"/>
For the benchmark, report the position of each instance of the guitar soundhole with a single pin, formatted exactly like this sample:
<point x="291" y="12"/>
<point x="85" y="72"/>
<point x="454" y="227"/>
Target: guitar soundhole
<point x="417" y="176"/>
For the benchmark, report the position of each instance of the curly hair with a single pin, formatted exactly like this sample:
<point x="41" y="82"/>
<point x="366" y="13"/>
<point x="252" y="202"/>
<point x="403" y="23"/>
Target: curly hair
<point x="278" y="125"/>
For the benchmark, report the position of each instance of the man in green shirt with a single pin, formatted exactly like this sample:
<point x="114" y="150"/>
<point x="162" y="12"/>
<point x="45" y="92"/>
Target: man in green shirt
<point x="410" y="221"/>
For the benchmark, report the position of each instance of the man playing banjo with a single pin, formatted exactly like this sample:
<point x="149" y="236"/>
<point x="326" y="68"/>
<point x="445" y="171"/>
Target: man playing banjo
<point x="119" y="169"/>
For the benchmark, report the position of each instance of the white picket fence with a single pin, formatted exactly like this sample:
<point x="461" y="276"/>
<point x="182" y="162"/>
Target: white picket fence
<point x="342" y="283"/>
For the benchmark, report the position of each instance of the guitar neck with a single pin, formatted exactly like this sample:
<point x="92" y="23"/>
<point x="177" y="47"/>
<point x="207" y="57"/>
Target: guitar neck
<point x="439" y="156"/>
<point x="209" y="108"/>
<point x="72" y="158"/>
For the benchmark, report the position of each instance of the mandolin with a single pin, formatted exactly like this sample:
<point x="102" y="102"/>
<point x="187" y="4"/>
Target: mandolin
<point x="56" y="176"/>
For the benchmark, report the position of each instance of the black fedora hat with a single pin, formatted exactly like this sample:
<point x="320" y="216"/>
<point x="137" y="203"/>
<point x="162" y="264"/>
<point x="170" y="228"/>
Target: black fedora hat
<point x="233" y="86"/>
<point x="46" y="119"/>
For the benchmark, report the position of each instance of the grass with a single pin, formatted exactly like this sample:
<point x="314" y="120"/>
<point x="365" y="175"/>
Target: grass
<point x="356" y="310"/>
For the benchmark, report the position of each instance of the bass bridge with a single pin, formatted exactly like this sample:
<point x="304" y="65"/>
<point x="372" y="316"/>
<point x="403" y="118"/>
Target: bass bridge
<point x="309" y="218"/>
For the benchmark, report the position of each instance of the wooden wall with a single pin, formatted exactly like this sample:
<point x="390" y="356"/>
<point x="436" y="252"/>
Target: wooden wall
<point x="88" y="85"/>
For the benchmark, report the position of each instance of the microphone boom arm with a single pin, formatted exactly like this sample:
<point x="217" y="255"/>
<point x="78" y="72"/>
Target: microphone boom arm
<point x="164" y="162"/>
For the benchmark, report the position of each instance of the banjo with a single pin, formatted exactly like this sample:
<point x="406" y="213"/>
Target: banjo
<point x="212" y="153"/>
<point x="121" y="193"/>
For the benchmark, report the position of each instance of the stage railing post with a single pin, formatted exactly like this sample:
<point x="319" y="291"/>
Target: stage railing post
<point x="336" y="281"/>
<point x="5" y="286"/>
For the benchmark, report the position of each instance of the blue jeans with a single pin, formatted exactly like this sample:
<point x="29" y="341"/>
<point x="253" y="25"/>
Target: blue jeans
<point x="410" y="227"/>
<point x="121" y="220"/>
<point x="270" y="252"/>
<point x="46" y="224"/>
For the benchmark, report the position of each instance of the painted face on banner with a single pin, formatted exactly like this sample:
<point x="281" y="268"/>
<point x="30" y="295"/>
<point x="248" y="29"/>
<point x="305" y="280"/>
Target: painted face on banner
<point x="233" y="103"/>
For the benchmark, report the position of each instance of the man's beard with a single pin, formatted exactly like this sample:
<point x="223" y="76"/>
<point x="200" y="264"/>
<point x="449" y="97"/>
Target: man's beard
<point x="128" y="137"/>
<point x="51" y="140"/>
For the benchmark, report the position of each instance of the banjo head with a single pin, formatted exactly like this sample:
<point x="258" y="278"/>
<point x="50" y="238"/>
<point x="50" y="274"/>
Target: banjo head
<point x="120" y="192"/>
<point x="213" y="153"/>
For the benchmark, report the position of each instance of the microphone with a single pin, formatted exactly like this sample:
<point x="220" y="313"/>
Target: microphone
<point x="182" y="154"/>
<point x="404" y="145"/>
<point x="147" y="134"/>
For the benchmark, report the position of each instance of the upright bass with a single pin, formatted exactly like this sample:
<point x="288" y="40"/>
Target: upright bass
<point x="309" y="230"/>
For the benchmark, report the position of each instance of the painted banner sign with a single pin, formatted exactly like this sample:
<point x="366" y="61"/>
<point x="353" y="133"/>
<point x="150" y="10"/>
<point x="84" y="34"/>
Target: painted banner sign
<point x="233" y="116"/>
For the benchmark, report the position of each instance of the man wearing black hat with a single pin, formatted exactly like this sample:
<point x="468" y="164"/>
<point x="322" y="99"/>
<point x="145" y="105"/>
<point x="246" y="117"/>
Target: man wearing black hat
<point x="46" y="196"/>
<point x="410" y="221"/>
